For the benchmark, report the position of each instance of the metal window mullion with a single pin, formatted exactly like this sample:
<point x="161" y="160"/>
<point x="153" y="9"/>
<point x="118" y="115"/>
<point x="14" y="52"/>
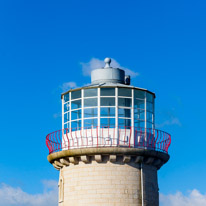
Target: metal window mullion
<point x="132" y="116"/>
<point x="145" y="132"/>
<point x="153" y="116"/>
<point x="98" y="108"/>
<point x="70" y="113"/>
<point x="63" y="113"/>
<point x="82" y="104"/>
<point x="145" y="111"/>
<point x="116" y="115"/>
<point x="90" y="118"/>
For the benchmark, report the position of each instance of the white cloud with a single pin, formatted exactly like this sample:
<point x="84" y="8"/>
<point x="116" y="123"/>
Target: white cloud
<point x="171" y="121"/>
<point x="68" y="85"/>
<point x="95" y="63"/>
<point x="11" y="196"/>
<point x="193" y="198"/>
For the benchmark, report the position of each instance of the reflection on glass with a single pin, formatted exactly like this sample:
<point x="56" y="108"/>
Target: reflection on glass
<point x="149" y="97"/>
<point x="76" y="125"/>
<point x="149" y="125"/>
<point x="149" y="116"/>
<point x="76" y="94"/>
<point x="66" y="97"/>
<point x="107" y="92"/>
<point x="124" y="122"/>
<point x="149" y="107"/>
<point x="124" y="102"/>
<point x="66" y="107"/>
<point x="91" y="102"/>
<point x="107" y="122"/>
<point x="76" y="114"/>
<point x="90" y="123"/>
<point x="76" y="104"/>
<point x="90" y="92"/>
<point x="139" y="114"/>
<point x="90" y="112"/>
<point x="139" y="104"/>
<point x="107" y="101"/>
<point x="66" y="128"/>
<point x="107" y="112"/>
<point x="125" y="92"/>
<point x="139" y="94"/>
<point x="124" y="112"/>
<point x="139" y="124"/>
<point x="66" y="117"/>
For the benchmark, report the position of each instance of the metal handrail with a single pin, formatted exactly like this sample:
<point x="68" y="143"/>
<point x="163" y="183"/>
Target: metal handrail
<point x="131" y="137"/>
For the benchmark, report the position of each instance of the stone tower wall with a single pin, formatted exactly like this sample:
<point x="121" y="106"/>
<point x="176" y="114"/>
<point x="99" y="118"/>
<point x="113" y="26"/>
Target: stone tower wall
<point x="108" y="176"/>
<point x="108" y="183"/>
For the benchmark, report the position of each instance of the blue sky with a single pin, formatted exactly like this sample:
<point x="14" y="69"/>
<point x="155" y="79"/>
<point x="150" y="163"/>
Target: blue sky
<point x="44" y="45"/>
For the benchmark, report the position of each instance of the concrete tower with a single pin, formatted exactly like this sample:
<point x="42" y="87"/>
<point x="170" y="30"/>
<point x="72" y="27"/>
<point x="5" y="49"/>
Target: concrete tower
<point x="108" y="150"/>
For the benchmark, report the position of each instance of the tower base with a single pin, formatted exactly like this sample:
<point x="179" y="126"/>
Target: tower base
<point x="123" y="177"/>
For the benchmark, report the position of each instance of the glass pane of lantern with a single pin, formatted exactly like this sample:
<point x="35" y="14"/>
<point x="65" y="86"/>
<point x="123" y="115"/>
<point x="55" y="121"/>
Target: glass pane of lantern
<point x="76" y="125"/>
<point x="66" y="97"/>
<point x="139" y="114"/>
<point x="139" y="104"/>
<point x="149" y="97"/>
<point x="90" y="92"/>
<point x="90" y="123"/>
<point x="110" y="101"/>
<point x="66" y="117"/>
<point x="76" y="94"/>
<point x="76" y="104"/>
<point x="76" y="114"/>
<point x="124" y="112"/>
<point x="90" y="112"/>
<point x="124" y="102"/>
<point x="149" y="107"/>
<point x="107" y="111"/>
<point x="149" y="116"/>
<point x="125" y="92"/>
<point x="66" y="107"/>
<point x="107" y="122"/>
<point x="91" y="102"/>
<point x="139" y="125"/>
<point x="107" y="92"/>
<point x="139" y="94"/>
<point x="124" y="123"/>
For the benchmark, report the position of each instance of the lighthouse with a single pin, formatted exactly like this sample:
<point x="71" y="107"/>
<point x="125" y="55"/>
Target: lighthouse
<point x="108" y="151"/>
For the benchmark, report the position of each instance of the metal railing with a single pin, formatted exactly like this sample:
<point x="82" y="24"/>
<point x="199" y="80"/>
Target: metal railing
<point x="67" y="139"/>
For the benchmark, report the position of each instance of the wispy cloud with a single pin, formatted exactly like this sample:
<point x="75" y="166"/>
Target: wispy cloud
<point x="95" y="63"/>
<point x="68" y="85"/>
<point x="193" y="198"/>
<point x="170" y="121"/>
<point x="167" y="117"/>
<point x="11" y="196"/>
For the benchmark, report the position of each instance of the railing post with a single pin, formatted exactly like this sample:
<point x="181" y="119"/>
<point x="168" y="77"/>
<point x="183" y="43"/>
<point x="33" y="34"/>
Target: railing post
<point x="67" y="137"/>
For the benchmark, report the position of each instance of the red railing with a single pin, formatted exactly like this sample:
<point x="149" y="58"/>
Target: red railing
<point x="66" y="139"/>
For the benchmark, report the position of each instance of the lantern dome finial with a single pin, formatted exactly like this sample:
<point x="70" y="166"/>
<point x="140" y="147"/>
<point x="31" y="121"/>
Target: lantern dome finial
<point x="107" y="62"/>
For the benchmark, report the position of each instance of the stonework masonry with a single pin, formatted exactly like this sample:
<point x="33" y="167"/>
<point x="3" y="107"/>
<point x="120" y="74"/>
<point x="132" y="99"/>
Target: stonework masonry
<point x="109" y="180"/>
<point x="108" y="184"/>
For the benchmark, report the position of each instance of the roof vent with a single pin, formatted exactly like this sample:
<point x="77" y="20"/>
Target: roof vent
<point x="127" y="79"/>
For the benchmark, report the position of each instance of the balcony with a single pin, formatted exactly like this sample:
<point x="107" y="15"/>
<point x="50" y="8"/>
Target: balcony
<point x="98" y="137"/>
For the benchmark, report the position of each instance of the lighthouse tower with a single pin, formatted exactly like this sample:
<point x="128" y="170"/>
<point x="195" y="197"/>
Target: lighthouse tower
<point x="108" y="151"/>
